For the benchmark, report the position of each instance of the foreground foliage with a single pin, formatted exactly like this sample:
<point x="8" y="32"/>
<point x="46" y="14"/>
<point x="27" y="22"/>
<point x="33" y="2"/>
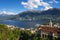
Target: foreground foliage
<point x="8" y="34"/>
<point x="17" y="34"/>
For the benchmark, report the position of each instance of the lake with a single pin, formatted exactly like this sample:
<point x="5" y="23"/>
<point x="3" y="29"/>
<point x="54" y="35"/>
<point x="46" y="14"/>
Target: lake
<point x="24" y="24"/>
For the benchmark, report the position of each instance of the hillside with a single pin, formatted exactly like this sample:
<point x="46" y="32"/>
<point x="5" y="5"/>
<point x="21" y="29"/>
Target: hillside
<point x="53" y="14"/>
<point x="35" y="15"/>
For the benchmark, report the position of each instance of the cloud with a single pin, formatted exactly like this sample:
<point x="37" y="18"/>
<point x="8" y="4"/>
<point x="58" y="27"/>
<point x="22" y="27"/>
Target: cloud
<point x="31" y="4"/>
<point x="53" y="1"/>
<point x="7" y="13"/>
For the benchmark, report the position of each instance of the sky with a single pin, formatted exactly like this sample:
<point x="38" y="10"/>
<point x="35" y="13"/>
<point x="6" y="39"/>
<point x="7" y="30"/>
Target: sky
<point x="16" y="6"/>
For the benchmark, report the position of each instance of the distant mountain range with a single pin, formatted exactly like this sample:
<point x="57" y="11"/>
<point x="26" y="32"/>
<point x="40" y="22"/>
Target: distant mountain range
<point x="30" y="18"/>
<point x="53" y="14"/>
<point x="6" y="17"/>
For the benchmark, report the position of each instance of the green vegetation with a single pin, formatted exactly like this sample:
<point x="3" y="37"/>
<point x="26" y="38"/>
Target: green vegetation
<point x="17" y="34"/>
<point x="8" y="34"/>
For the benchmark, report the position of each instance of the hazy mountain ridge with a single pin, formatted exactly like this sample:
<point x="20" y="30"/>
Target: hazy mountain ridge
<point x="31" y="18"/>
<point x="6" y="17"/>
<point x="37" y="14"/>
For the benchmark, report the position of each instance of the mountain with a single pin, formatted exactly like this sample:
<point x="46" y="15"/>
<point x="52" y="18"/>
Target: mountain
<point x="53" y="14"/>
<point x="30" y="18"/>
<point x="34" y="15"/>
<point x="6" y="17"/>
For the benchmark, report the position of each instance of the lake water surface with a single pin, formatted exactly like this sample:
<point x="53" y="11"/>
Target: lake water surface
<point x="24" y="24"/>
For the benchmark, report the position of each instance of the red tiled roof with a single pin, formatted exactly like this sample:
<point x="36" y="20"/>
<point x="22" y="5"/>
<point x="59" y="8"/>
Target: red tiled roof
<point x="49" y="29"/>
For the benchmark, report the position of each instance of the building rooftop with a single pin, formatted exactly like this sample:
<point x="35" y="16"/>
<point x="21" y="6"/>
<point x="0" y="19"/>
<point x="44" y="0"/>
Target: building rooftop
<point x="49" y="29"/>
